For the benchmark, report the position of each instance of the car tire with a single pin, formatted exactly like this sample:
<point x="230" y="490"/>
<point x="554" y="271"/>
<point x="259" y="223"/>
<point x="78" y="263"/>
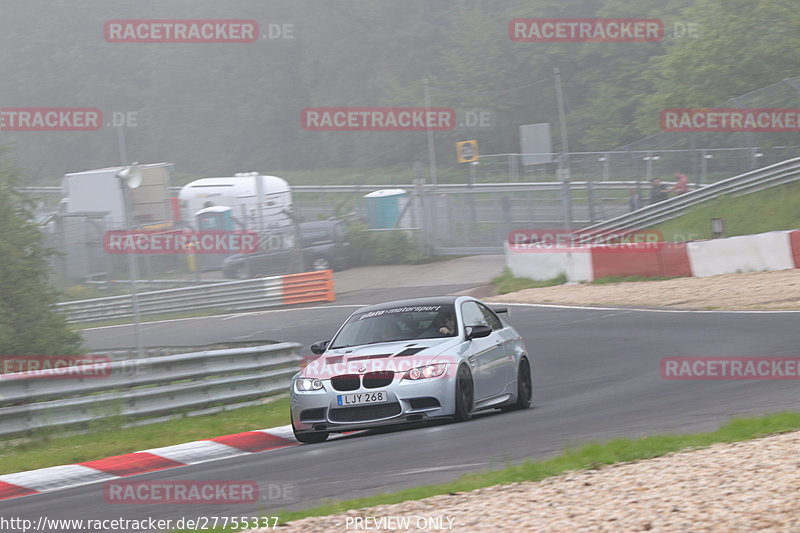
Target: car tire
<point x="465" y="394"/>
<point x="320" y="262"/>
<point x="310" y="437"/>
<point x="240" y="272"/>
<point x="524" y="387"/>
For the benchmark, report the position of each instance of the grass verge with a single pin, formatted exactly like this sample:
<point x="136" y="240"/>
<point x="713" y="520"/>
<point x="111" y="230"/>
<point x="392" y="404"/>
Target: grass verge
<point x="506" y="282"/>
<point x="624" y="279"/>
<point x="590" y="456"/>
<point x="48" y="450"/>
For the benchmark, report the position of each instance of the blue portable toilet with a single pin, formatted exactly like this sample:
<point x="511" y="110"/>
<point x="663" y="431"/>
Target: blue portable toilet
<point x="384" y="208"/>
<point x="213" y="218"/>
<point x="216" y="217"/>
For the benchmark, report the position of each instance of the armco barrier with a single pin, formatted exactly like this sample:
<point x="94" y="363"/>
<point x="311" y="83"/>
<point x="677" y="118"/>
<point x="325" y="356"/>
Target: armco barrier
<point x="763" y="178"/>
<point x="257" y="293"/>
<point x="146" y="388"/>
<point x="776" y="250"/>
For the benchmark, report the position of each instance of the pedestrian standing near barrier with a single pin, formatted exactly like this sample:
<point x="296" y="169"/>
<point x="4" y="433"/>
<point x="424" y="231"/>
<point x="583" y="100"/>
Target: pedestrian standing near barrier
<point x="634" y="199"/>
<point x="682" y="184"/>
<point x="658" y="191"/>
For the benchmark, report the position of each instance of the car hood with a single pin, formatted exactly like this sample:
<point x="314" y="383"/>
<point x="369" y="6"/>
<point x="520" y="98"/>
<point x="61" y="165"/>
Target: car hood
<point x="396" y="356"/>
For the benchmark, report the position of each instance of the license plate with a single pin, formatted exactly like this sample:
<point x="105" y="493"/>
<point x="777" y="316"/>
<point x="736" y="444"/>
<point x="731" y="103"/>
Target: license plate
<point x="362" y="398"/>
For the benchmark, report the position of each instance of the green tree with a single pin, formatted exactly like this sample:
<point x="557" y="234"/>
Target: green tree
<point x="742" y="45"/>
<point x="29" y="325"/>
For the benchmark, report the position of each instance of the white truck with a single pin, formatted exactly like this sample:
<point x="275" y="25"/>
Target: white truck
<point x="98" y="191"/>
<point x="257" y="202"/>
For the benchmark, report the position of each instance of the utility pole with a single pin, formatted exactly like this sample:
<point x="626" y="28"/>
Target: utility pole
<point x="130" y="178"/>
<point x="431" y="148"/>
<point x="563" y="160"/>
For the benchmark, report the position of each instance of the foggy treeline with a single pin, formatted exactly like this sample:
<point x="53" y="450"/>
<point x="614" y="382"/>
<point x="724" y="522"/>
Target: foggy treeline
<point x="221" y="108"/>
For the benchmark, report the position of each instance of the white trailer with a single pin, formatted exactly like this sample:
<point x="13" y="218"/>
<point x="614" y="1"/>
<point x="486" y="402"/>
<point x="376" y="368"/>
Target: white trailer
<point x="99" y="191"/>
<point x="258" y="202"/>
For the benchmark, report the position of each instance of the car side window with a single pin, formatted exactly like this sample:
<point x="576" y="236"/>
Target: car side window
<point x="472" y="315"/>
<point x="492" y="319"/>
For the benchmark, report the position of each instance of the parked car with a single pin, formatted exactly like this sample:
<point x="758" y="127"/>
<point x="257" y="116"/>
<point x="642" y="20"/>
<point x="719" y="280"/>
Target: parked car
<point x="323" y="245"/>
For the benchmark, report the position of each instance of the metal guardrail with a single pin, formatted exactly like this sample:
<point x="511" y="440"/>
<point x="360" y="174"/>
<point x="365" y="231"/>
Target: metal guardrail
<point x="145" y="283"/>
<point x="138" y="390"/>
<point x="231" y="295"/>
<point x="771" y="176"/>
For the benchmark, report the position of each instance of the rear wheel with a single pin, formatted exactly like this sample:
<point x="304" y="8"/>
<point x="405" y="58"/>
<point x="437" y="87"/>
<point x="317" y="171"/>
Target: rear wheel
<point x="524" y="387"/>
<point x="465" y="394"/>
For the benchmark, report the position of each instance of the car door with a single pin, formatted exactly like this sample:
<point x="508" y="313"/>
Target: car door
<point x="486" y="355"/>
<point x="341" y="246"/>
<point x="505" y="336"/>
<point x="273" y="256"/>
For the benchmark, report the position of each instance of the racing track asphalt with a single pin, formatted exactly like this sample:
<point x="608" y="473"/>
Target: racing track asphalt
<point x="596" y="376"/>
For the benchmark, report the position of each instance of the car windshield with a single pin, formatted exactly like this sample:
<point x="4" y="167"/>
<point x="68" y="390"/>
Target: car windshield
<point x="397" y="324"/>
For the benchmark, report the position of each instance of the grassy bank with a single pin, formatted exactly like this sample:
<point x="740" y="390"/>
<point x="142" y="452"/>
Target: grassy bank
<point x="506" y="282"/>
<point x="107" y="440"/>
<point x="769" y="210"/>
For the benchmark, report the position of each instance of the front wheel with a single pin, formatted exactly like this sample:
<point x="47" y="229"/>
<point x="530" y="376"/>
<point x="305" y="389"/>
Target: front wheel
<point x="465" y="394"/>
<point x="320" y="262"/>
<point x="524" y="387"/>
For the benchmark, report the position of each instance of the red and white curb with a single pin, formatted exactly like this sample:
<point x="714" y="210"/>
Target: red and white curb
<point x="131" y="464"/>
<point x="774" y="250"/>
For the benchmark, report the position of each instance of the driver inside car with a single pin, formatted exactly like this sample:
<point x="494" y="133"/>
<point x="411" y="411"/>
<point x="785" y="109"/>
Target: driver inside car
<point x="444" y="325"/>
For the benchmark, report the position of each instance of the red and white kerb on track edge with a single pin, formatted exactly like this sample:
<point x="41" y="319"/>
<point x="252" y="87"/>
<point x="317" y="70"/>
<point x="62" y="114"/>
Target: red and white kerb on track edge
<point x="132" y="464"/>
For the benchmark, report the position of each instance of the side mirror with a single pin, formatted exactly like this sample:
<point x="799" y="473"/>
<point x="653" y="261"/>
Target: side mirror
<point x="500" y="310"/>
<point x="477" y="332"/>
<point x="319" y="347"/>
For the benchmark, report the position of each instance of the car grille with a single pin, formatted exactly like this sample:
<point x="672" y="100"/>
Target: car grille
<point x="371" y="380"/>
<point x="363" y="413"/>
<point x="376" y="380"/>
<point x="346" y="382"/>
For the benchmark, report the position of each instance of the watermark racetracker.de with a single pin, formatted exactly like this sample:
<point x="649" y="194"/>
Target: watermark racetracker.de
<point x="731" y="120"/>
<point x="194" y="31"/>
<point x="730" y="368"/>
<point x="63" y="119"/>
<point x="180" y="242"/>
<point x="54" y="366"/>
<point x="378" y="119"/>
<point x="594" y="241"/>
<point x="551" y="30"/>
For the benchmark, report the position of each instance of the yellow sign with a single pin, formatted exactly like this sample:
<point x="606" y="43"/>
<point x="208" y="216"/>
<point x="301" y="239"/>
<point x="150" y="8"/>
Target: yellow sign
<point x="467" y="151"/>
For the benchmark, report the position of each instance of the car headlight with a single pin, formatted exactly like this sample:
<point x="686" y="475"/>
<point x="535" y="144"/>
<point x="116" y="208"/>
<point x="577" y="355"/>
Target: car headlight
<point x="308" y="384"/>
<point x="426" y="372"/>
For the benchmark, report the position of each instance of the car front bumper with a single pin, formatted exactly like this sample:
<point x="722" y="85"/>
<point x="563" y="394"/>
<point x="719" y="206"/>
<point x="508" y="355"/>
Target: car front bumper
<point x="408" y="401"/>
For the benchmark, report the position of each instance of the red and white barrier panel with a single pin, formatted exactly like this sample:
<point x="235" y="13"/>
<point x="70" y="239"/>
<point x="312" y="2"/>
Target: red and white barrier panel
<point x="776" y="250"/>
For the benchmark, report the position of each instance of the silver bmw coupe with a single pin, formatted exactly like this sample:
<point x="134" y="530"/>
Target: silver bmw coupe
<point x="410" y="361"/>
